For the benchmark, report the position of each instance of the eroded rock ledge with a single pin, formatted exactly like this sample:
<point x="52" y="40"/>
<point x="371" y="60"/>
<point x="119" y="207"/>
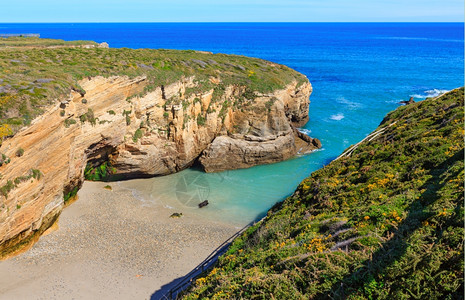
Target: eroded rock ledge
<point x="161" y="132"/>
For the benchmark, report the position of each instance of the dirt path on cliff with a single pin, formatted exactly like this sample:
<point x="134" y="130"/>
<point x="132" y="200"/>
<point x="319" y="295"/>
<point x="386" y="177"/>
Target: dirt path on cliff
<point x="111" y="245"/>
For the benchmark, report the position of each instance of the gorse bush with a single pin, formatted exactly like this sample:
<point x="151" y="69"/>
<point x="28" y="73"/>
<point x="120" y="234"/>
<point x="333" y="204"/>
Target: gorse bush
<point x="384" y="223"/>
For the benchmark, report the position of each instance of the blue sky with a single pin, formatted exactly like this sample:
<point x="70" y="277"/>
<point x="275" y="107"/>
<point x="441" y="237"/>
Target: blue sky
<point x="232" y="11"/>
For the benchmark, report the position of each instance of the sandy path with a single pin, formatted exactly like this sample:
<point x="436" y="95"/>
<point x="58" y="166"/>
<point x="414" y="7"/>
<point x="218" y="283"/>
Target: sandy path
<point x="110" y="245"/>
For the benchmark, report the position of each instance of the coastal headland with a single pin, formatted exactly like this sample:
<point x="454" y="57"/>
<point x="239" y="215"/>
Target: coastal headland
<point x="80" y="110"/>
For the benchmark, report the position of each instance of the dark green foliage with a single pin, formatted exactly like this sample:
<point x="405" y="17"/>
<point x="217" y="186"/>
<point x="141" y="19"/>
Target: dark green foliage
<point x="70" y="194"/>
<point x="10" y="185"/>
<point x="111" y="112"/>
<point x="88" y="117"/>
<point x="62" y="113"/>
<point x="5" y="160"/>
<point x="384" y="223"/>
<point x="4" y="190"/>
<point x="69" y="122"/>
<point x="127" y="113"/>
<point x="100" y="172"/>
<point x="36" y="174"/>
<point x="201" y="120"/>
<point x="137" y="135"/>
<point x="20" y="152"/>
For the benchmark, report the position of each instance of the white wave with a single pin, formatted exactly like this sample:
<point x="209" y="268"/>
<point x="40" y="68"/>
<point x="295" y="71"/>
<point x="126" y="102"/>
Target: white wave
<point x="429" y="93"/>
<point x="395" y="101"/>
<point x="435" y="92"/>
<point x="337" y="117"/>
<point x="304" y="131"/>
<point x="300" y="154"/>
<point x="351" y="104"/>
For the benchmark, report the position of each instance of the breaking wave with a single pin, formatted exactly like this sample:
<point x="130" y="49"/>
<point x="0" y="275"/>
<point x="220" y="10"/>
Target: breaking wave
<point x="429" y="93"/>
<point x="337" y="117"/>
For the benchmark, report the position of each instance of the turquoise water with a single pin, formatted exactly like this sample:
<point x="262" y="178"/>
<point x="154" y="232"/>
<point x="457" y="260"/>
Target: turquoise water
<point x="236" y="196"/>
<point x="359" y="72"/>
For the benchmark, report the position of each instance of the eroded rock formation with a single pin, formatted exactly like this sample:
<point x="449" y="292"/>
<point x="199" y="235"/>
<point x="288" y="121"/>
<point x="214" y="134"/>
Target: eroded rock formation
<point x="161" y="132"/>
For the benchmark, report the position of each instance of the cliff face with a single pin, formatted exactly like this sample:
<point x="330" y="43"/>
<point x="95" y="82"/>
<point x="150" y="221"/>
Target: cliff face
<point x="161" y="132"/>
<point x="383" y="221"/>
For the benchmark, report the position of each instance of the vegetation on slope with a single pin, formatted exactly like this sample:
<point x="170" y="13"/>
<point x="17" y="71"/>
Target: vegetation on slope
<point x="37" y="72"/>
<point x="384" y="223"/>
<point x="40" y="42"/>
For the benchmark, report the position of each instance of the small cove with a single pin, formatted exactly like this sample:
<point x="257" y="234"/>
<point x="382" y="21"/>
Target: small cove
<point x="359" y="73"/>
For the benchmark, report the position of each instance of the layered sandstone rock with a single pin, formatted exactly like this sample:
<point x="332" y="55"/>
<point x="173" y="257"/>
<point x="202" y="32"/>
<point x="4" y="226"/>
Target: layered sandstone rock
<point x="159" y="133"/>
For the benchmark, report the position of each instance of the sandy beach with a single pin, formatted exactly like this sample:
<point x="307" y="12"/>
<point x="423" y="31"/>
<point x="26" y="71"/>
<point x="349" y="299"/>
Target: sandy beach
<point x="111" y="245"/>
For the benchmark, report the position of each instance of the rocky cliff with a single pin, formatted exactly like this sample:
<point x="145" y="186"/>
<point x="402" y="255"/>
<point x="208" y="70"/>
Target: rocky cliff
<point x="113" y="128"/>
<point x="382" y="221"/>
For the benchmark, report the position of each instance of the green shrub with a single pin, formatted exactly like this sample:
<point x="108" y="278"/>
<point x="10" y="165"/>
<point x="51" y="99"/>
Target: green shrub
<point x="137" y="135"/>
<point x="36" y="174"/>
<point x="20" y="152"/>
<point x="200" y="120"/>
<point x="73" y="192"/>
<point x="100" y="172"/>
<point x="69" y="122"/>
<point x="5" y="189"/>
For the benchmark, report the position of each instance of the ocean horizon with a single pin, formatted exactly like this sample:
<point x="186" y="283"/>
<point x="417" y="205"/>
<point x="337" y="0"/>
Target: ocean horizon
<point x="359" y="72"/>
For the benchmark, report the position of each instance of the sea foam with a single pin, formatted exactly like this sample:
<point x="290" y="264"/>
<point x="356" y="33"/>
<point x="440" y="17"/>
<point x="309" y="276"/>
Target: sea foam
<point x="305" y="131"/>
<point x="337" y="117"/>
<point x="429" y="93"/>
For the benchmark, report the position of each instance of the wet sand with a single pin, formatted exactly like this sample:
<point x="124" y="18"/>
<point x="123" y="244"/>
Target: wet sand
<point x="111" y="245"/>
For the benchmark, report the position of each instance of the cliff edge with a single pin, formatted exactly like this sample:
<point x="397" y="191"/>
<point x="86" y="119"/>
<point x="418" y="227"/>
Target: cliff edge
<point x="383" y="221"/>
<point x="154" y="112"/>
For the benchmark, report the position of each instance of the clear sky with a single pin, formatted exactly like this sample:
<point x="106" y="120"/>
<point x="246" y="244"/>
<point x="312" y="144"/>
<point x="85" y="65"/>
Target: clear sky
<point x="231" y="11"/>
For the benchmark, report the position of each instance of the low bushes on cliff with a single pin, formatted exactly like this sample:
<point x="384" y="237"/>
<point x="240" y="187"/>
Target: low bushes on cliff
<point x="34" y="74"/>
<point x="383" y="223"/>
<point x="12" y="184"/>
<point x="100" y="172"/>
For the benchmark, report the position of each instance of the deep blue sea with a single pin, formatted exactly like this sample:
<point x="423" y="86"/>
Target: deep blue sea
<point x="359" y="72"/>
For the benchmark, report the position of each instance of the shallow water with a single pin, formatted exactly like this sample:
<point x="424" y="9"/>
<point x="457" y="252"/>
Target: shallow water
<point x="359" y="72"/>
<point x="237" y="197"/>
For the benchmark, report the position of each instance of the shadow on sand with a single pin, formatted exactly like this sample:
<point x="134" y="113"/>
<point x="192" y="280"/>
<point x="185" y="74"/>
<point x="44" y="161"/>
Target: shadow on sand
<point x="172" y="289"/>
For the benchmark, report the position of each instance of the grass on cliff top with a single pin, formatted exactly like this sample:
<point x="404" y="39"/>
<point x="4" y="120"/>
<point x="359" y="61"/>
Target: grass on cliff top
<point x="384" y="223"/>
<point x="40" y="42"/>
<point x="32" y="78"/>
